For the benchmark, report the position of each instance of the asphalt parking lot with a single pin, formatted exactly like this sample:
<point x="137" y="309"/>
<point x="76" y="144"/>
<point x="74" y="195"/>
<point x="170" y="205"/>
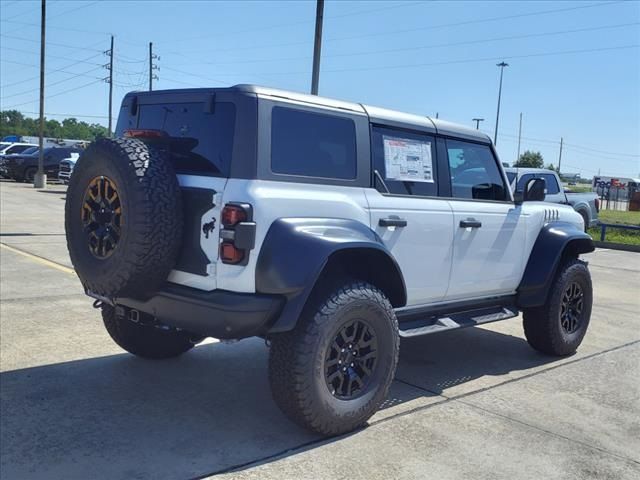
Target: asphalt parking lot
<point x="477" y="403"/>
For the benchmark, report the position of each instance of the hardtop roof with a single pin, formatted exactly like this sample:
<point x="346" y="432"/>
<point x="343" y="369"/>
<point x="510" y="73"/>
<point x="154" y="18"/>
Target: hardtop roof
<point x="376" y="114"/>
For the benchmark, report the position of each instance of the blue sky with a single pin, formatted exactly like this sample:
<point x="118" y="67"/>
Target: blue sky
<point x="574" y="66"/>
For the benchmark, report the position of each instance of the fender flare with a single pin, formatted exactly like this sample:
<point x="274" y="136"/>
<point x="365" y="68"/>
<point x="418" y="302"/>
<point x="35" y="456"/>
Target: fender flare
<point x="556" y="241"/>
<point x="295" y="252"/>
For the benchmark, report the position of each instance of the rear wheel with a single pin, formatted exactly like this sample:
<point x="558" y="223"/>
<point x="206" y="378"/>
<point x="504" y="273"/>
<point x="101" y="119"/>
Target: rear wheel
<point x="558" y="326"/>
<point x="29" y="175"/>
<point x="145" y="339"/>
<point x="332" y="372"/>
<point x="585" y="219"/>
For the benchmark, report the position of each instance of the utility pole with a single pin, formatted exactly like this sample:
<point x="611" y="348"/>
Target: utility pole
<point x="519" y="137"/>
<point x="152" y="66"/>
<point x="478" y="120"/>
<point x="317" y="47"/>
<point x="560" y="156"/>
<point x="40" y="180"/>
<point x="501" y="65"/>
<point x="110" y="82"/>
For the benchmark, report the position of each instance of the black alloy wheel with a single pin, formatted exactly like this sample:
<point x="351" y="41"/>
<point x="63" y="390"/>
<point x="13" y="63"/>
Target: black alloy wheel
<point x="571" y="307"/>
<point x="351" y="359"/>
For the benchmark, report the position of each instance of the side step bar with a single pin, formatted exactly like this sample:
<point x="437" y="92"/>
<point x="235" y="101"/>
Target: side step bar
<point x="443" y="322"/>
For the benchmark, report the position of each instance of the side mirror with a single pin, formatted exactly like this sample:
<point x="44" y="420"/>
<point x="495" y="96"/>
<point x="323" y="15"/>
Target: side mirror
<point x="534" y="190"/>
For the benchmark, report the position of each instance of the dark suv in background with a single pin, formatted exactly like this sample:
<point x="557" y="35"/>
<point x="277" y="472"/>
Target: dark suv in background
<point x="23" y="168"/>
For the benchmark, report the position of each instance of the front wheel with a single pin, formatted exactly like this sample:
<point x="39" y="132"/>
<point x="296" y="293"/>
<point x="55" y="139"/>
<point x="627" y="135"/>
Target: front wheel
<point x="331" y="373"/>
<point x="558" y="326"/>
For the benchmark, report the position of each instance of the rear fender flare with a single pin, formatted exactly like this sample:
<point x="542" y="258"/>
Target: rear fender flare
<point x="296" y="251"/>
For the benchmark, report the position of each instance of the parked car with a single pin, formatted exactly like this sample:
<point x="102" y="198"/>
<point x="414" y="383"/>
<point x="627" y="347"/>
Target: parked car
<point x="586" y="204"/>
<point x="12" y="148"/>
<point x="66" y="167"/>
<point x="3" y="159"/>
<point x="331" y="229"/>
<point x="23" y="168"/>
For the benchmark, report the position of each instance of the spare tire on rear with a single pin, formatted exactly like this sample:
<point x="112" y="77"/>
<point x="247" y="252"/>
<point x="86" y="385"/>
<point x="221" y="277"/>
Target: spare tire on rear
<point x="123" y="218"/>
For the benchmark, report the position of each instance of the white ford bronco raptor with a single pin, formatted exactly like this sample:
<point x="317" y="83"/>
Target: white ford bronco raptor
<point x="331" y="229"/>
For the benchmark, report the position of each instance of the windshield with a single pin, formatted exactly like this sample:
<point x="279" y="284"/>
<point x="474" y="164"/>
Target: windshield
<point x="511" y="176"/>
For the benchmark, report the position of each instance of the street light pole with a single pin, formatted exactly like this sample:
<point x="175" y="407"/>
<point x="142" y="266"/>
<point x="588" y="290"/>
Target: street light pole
<point x="501" y="65"/>
<point x="317" y="48"/>
<point x="478" y="120"/>
<point x="40" y="179"/>
<point x="519" y="137"/>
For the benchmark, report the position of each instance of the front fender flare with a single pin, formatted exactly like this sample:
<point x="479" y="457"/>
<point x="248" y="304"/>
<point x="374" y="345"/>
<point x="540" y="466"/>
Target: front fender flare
<point x="555" y="242"/>
<point x="295" y="252"/>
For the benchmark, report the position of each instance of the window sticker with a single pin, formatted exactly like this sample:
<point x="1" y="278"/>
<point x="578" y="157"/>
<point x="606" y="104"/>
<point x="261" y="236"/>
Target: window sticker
<point x="407" y="160"/>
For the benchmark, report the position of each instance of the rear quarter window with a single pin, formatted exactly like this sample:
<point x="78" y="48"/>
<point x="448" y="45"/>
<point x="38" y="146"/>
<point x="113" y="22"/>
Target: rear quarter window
<point x="200" y="142"/>
<point x="312" y="144"/>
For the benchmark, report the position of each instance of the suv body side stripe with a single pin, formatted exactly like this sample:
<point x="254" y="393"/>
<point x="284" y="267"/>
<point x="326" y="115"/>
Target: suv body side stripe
<point x="295" y="252"/>
<point x="555" y="241"/>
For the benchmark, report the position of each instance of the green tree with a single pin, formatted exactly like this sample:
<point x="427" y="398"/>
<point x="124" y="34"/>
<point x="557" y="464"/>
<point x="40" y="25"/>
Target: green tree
<point x="551" y="166"/>
<point x="530" y="159"/>
<point x="12" y="122"/>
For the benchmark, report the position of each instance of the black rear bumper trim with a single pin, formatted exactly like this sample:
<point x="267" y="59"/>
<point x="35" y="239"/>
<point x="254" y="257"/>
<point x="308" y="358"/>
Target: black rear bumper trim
<point x="219" y="313"/>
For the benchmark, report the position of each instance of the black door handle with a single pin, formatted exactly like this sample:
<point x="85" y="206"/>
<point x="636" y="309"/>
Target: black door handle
<point x="470" y="223"/>
<point x="392" y="222"/>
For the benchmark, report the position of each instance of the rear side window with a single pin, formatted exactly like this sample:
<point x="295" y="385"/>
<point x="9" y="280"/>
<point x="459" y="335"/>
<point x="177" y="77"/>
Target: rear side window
<point x="200" y="142"/>
<point x="312" y="144"/>
<point x="405" y="161"/>
<point x="474" y="172"/>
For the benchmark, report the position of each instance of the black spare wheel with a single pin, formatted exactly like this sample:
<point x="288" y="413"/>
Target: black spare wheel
<point x="123" y="218"/>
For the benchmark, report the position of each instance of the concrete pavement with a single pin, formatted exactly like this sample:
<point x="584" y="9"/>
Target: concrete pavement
<point x="477" y="403"/>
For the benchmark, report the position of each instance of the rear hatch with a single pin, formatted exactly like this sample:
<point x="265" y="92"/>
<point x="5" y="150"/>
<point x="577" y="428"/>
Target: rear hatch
<point x="198" y="133"/>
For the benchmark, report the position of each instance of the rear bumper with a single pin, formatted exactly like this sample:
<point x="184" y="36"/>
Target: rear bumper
<point x="219" y="314"/>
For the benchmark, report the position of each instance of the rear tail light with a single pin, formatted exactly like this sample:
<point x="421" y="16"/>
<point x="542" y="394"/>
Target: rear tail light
<point x="238" y="235"/>
<point x="229" y="253"/>
<point x="233" y="214"/>
<point x="597" y="202"/>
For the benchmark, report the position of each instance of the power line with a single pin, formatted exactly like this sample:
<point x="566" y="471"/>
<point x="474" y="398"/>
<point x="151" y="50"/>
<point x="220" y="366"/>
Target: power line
<point x="601" y="151"/>
<point x="58" y="70"/>
<point x="75" y="47"/>
<point x="196" y="75"/>
<point x="56" y="94"/>
<point x="83" y="74"/>
<point x="49" y="18"/>
<point x="428" y="27"/>
<point x="436" y="45"/>
<point x="35" y="53"/>
<point x="455" y="62"/>
<point x="300" y="22"/>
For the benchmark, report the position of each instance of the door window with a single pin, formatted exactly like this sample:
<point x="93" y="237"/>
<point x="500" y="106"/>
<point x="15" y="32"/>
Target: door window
<point x="474" y="172"/>
<point x="405" y="161"/>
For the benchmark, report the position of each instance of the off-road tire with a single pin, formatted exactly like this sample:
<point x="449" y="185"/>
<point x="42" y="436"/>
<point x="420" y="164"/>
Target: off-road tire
<point x="151" y="223"/>
<point x="145" y="340"/>
<point x="297" y="360"/>
<point x="542" y="325"/>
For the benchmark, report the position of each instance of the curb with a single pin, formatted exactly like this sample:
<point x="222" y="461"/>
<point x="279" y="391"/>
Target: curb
<point x="617" y="246"/>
